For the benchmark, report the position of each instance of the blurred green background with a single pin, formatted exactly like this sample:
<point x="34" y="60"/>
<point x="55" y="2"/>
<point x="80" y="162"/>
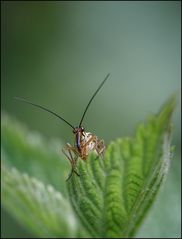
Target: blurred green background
<point x="57" y="53"/>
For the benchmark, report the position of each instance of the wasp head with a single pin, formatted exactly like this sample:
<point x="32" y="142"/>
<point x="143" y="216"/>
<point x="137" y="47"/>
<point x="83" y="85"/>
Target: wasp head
<point x="76" y="130"/>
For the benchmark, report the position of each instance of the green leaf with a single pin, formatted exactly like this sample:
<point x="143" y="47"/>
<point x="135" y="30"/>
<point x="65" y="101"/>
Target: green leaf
<point x="40" y="208"/>
<point x="31" y="153"/>
<point x="33" y="182"/>
<point x="111" y="196"/>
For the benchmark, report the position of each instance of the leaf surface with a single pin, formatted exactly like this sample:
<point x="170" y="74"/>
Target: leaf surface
<point x="111" y="196"/>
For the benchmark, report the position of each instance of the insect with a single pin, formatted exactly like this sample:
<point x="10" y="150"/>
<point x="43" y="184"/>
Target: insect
<point x="85" y="142"/>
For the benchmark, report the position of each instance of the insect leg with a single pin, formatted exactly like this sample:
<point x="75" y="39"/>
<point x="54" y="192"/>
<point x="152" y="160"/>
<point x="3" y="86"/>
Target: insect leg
<point x="68" y="151"/>
<point x="85" y="151"/>
<point x="100" y="147"/>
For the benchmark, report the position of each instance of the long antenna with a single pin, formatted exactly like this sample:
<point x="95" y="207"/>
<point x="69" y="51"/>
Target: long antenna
<point x="93" y="98"/>
<point x="39" y="106"/>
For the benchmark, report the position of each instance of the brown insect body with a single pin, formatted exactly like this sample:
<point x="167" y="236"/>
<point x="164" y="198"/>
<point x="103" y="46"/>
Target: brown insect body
<point x="85" y="142"/>
<point x="79" y="134"/>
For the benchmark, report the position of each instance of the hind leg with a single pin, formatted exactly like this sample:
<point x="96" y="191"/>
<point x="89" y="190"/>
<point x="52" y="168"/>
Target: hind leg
<point x="100" y="148"/>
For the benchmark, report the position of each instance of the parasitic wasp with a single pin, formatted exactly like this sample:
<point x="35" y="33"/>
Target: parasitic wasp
<point x="85" y="142"/>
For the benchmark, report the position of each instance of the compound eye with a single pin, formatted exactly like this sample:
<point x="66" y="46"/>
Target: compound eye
<point x="74" y="130"/>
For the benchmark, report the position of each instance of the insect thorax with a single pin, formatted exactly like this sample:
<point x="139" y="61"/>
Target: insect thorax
<point x="89" y="141"/>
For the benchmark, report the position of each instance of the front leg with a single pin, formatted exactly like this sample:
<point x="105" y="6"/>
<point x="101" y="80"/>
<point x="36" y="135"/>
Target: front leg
<point x="72" y="155"/>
